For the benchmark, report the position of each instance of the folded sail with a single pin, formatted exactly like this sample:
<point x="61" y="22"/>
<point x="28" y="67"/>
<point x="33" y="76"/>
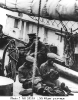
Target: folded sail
<point x="68" y="9"/>
<point x="23" y="6"/>
<point x="51" y="9"/>
<point x="35" y="7"/>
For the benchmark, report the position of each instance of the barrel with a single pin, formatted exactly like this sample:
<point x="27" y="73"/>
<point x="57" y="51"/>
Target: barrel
<point x="6" y="86"/>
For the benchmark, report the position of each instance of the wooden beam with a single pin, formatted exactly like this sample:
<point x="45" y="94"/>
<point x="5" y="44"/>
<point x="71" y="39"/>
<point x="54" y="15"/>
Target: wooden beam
<point x="62" y="35"/>
<point x="67" y="73"/>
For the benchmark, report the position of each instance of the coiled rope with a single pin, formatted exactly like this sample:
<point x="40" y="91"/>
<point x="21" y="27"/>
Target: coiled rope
<point x="13" y="55"/>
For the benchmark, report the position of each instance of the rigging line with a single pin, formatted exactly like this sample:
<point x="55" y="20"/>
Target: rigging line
<point x="36" y="45"/>
<point x="62" y="22"/>
<point x="75" y="30"/>
<point x="63" y="25"/>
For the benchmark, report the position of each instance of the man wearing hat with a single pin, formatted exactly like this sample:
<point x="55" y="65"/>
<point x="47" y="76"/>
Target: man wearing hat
<point x="24" y="50"/>
<point x="50" y="76"/>
<point x="25" y="73"/>
<point x="31" y="39"/>
<point x="28" y="46"/>
<point x="48" y="73"/>
<point x="41" y="51"/>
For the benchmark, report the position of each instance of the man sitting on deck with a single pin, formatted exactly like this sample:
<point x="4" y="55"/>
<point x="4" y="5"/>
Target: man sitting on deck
<point x="25" y="75"/>
<point x="50" y="76"/>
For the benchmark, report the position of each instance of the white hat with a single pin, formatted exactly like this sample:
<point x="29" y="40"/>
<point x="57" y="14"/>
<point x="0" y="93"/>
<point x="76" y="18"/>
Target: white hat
<point x="54" y="56"/>
<point x="30" y="59"/>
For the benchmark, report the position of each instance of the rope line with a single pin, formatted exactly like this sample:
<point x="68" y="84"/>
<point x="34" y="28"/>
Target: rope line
<point x="36" y="45"/>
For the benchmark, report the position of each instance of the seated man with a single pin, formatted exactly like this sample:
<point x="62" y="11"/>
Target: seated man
<point x="26" y="72"/>
<point x="50" y="77"/>
<point x="49" y="74"/>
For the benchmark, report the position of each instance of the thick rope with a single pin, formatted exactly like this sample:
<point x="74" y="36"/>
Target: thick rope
<point x="36" y="47"/>
<point x="12" y="50"/>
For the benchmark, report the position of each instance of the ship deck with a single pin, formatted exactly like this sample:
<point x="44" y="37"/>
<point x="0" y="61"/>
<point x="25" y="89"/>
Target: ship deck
<point x="17" y="86"/>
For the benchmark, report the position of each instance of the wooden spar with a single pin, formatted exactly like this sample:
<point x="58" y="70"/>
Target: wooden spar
<point x="63" y="70"/>
<point x="13" y="6"/>
<point x="62" y="35"/>
<point x="16" y="10"/>
<point x="69" y="73"/>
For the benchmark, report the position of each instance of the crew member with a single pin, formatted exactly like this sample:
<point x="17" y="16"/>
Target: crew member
<point x="41" y="52"/>
<point x="24" y="50"/>
<point x="50" y="76"/>
<point x="31" y="39"/>
<point x="25" y="75"/>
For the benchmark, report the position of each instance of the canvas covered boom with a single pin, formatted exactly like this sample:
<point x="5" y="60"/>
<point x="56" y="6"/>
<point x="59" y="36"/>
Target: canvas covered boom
<point x="50" y="9"/>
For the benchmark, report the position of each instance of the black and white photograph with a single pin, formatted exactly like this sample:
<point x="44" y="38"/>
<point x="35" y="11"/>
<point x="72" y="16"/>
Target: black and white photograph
<point x="39" y="49"/>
